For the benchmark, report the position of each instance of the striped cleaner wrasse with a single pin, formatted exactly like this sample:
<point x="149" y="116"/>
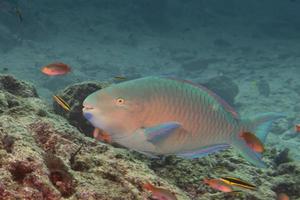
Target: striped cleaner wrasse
<point x="163" y="116"/>
<point x="238" y="183"/>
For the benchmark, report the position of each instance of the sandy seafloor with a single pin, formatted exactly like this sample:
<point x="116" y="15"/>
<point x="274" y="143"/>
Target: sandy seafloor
<point x="246" y="41"/>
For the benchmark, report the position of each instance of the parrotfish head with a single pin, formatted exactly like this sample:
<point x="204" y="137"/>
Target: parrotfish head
<point x="115" y="109"/>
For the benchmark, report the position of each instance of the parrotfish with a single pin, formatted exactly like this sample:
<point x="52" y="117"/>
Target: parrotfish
<point x="163" y="116"/>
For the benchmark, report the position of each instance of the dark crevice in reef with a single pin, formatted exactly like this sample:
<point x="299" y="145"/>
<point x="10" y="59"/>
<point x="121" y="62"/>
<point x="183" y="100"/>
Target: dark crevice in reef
<point x="8" y="143"/>
<point x="10" y="84"/>
<point x="59" y="176"/>
<point x="20" y="169"/>
<point x="44" y="136"/>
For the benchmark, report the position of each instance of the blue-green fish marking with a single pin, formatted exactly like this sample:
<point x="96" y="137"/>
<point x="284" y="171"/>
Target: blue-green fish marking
<point x="162" y="116"/>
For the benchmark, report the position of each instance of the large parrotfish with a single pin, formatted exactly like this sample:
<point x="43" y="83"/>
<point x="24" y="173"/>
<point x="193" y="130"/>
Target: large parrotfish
<point x="163" y="116"/>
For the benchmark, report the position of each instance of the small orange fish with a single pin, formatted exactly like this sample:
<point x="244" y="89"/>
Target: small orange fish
<point x="102" y="136"/>
<point x="282" y="196"/>
<point x="62" y="103"/>
<point x="218" y="184"/>
<point x="297" y="128"/>
<point x="55" y="69"/>
<point x="159" y="193"/>
<point x="253" y="142"/>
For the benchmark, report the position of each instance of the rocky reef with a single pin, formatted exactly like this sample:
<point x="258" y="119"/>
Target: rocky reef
<point x="38" y="161"/>
<point x="44" y="156"/>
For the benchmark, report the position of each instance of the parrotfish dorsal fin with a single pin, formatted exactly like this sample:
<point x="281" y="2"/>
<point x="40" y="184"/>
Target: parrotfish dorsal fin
<point x="160" y="132"/>
<point x="226" y="106"/>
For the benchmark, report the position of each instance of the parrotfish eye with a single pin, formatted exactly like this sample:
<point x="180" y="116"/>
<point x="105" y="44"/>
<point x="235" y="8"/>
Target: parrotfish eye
<point x="120" y="101"/>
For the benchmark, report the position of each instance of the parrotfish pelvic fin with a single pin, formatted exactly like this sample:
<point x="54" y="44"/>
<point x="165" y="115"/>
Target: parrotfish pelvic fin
<point x="260" y="126"/>
<point x="204" y="151"/>
<point x="160" y="132"/>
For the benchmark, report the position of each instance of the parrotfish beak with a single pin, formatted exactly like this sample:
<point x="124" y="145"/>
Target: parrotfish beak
<point x="86" y="110"/>
<point x="88" y="106"/>
<point x="90" y="102"/>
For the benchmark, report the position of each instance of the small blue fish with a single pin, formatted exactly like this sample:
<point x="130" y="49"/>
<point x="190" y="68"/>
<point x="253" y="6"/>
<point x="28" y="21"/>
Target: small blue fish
<point x="162" y="116"/>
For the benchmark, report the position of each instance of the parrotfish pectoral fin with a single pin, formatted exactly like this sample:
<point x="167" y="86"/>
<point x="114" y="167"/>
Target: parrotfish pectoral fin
<point x="259" y="125"/>
<point x="160" y="132"/>
<point x="203" y="151"/>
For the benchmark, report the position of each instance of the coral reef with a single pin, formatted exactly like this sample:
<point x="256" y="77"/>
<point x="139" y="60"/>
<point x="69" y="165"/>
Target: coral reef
<point x="282" y="157"/>
<point x="15" y="87"/>
<point x="43" y="156"/>
<point x="188" y="175"/>
<point x="37" y="150"/>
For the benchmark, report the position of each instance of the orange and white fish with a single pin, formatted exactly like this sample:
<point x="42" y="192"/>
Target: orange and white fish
<point x="159" y="193"/>
<point x="297" y="128"/>
<point x="253" y="142"/>
<point x="55" y="69"/>
<point x="282" y="196"/>
<point x="163" y="116"/>
<point x="102" y="136"/>
<point x="218" y="184"/>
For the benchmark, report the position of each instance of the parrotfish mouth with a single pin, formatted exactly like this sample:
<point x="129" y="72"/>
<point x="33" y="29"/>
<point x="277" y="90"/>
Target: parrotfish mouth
<point x="87" y="107"/>
<point x="86" y="111"/>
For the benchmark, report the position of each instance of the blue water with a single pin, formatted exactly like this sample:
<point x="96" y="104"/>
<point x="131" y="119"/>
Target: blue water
<point x="248" y="52"/>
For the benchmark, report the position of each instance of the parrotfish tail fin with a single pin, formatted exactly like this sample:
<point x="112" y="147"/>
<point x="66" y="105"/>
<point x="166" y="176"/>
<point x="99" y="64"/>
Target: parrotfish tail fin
<point x="260" y="126"/>
<point x="248" y="153"/>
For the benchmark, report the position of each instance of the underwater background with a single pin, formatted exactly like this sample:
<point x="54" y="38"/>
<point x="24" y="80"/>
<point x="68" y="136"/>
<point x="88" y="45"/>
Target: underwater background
<point x="248" y="52"/>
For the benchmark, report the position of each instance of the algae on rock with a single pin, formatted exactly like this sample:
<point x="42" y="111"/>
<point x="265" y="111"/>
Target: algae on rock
<point x="38" y="164"/>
